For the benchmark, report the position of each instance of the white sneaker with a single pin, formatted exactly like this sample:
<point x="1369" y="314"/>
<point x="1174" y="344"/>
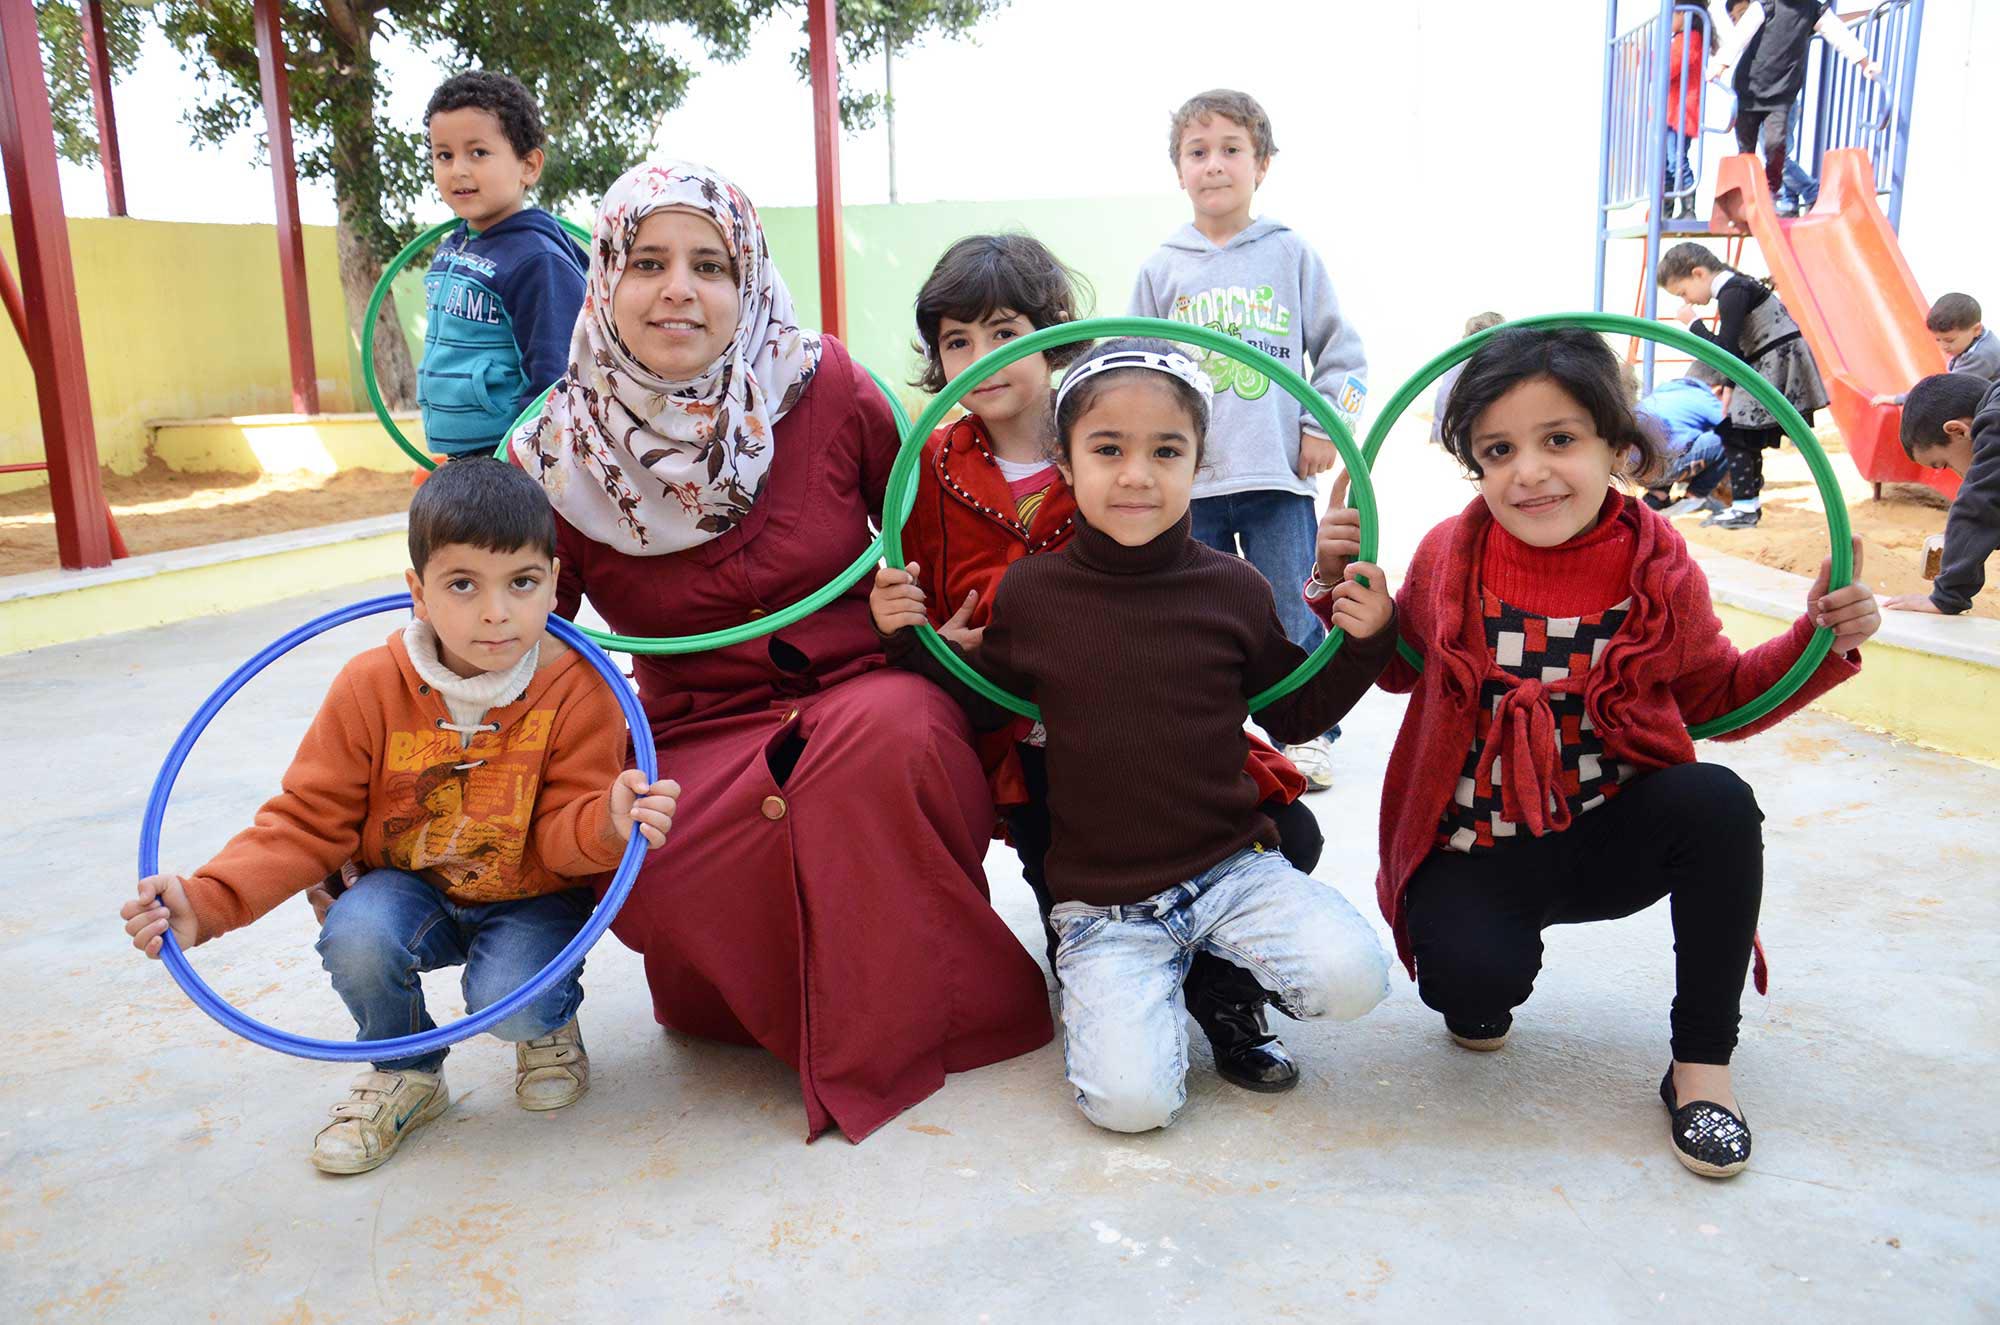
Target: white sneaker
<point x="381" y="1109"/>
<point x="553" y="1071"/>
<point x="1315" y="760"/>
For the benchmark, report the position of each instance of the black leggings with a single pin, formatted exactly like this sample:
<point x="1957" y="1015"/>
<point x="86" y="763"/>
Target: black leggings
<point x="1776" y="131"/>
<point x="1299" y="838"/>
<point x="1691" y="832"/>
<point x="1743" y="451"/>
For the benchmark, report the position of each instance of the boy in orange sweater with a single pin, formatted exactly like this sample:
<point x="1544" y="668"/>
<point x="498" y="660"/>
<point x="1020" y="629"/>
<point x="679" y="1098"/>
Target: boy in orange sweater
<point x="470" y="770"/>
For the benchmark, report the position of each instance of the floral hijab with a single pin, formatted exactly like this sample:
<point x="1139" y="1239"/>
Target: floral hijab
<point x="649" y="466"/>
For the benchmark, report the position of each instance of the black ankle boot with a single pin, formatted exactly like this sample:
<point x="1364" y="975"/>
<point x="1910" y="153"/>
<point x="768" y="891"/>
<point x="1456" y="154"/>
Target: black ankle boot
<point x="1228" y="1004"/>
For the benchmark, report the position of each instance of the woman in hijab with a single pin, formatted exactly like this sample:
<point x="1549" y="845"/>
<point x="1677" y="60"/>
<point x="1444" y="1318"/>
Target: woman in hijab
<point x="709" y="462"/>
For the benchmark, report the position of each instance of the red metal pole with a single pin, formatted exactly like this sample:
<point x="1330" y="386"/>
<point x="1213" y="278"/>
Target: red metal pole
<point x="10" y="295"/>
<point x="48" y="285"/>
<point x="98" y="55"/>
<point x="284" y="183"/>
<point x="826" y="160"/>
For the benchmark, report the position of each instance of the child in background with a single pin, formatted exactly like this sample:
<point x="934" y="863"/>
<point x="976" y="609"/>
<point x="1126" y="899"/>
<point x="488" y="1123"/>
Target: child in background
<point x="987" y="496"/>
<point x="471" y="767"/>
<point x="1142" y="647"/>
<point x="1766" y="49"/>
<point x="1684" y="84"/>
<point x="1259" y="282"/>
<point x="1752" y="324"/>
<point x="1475" y="324"/>
<point x="1688" y="410"/>
<point x="1564" y="626"/>
<point x="1955" y="324"/>
<point x="1952" y="421"/>
<point x="503" y="293"/>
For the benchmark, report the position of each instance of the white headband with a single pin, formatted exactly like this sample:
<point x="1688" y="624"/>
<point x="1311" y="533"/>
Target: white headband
<point x="1174" y="365"/>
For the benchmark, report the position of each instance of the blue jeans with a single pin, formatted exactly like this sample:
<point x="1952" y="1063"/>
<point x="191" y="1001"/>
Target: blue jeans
<point x="1277" y="531"/>
<point x="1705" y="456"/>
<point x="1120" y="968"/>
<point x="1680" y="169"/>
<point x="392" y="926"/>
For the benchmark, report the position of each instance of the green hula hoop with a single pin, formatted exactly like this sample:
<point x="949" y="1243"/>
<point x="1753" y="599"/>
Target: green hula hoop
<point x="902" y="493"/>
<point x="1746" y="378"/>
<point x="375" y="301"/>
<point x="778" y="620"/>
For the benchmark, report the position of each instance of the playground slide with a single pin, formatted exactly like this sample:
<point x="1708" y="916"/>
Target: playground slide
<point x="1842" y="276"/>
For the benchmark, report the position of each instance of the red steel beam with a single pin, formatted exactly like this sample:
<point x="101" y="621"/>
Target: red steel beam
<point x="10" y="295"/>
<point x="284" y="183"/>
<point x="48" y="286"/>
<point x="826" y="161"/>
<point x="98" y="54"/>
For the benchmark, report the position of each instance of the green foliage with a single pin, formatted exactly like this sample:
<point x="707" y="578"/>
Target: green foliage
<point x="60" y="23"/>
<point x="605" y="74"/>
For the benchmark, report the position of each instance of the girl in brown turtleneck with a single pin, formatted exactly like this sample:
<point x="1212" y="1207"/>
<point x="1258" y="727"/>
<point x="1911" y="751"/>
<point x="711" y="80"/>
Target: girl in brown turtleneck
<point x="1142" y="648"/>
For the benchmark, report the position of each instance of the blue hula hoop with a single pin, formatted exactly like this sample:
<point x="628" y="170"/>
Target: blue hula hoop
<point x="424" y="1042"/>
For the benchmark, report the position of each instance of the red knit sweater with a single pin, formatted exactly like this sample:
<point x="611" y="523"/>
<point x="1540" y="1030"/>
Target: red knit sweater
<point x="1670" y="666"/>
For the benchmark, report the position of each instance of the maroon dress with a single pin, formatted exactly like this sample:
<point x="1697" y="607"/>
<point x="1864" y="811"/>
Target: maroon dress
<point x="821" y="891"/>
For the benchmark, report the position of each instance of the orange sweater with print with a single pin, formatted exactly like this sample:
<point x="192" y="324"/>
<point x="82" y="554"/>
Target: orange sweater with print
<point x="519" y="812"/>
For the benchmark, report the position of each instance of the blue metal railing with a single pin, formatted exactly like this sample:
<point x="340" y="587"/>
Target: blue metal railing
<point x="1847" y="109"/>
<point x="1839" y="107"/>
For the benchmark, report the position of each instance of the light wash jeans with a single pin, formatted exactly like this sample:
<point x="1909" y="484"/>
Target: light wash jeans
<point x="392" y="926"/>
<point x="1125" y="1042"/>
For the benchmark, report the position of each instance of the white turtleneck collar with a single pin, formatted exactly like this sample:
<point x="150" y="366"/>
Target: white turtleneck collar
<point x="467" y="697"/>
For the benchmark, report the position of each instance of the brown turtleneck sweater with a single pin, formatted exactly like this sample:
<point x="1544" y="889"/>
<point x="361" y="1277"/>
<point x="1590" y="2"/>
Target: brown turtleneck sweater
<point x="1143" y="660"/>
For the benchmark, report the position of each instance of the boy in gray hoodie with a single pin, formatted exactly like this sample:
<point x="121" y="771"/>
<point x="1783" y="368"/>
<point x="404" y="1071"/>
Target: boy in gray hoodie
<point x="1259" y="282"/>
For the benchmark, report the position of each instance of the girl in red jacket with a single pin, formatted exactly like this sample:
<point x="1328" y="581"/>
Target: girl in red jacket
<point x="1543" y="774"/>
<point x="988" y="495"/>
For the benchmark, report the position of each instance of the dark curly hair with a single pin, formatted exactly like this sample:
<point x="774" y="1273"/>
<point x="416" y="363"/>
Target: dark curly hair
<point x="504" y="96"/>
<point x="1937" y="400"/>
<point x="981" y="274"/>
<point x="1577" y="361"/>
<point x="1078" y="402"/>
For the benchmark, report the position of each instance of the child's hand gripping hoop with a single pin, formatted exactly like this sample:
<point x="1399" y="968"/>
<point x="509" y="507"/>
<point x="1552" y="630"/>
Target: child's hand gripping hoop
<point x="902" y="493"/>
<point x="402" y="1046"/>
<point x="375" y="300"/>
<point x="778" y="620"/>
<point x="1746" y="378"/>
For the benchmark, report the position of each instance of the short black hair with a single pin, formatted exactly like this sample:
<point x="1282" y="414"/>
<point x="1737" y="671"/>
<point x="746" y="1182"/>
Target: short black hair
<point x="1936" y="401"/>
<point x="501" y="94"/>
<point x="981" y="274"/>
<point x="1229" y="104"/>
<point x="1579" y="362"/>
<point x="481" y="501"/>
<point x="1681" y="260"/>
<point x="1078" y="402"/>
<point x="1953" y="312"/>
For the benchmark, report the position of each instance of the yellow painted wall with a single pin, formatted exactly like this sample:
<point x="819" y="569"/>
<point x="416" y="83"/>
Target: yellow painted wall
<point x="179" y="321"/>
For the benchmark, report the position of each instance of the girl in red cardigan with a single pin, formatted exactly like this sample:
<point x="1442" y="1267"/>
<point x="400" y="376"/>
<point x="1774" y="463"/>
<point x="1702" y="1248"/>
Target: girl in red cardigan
<point x="988" y="495"/>
<point x="1543" y="774"/>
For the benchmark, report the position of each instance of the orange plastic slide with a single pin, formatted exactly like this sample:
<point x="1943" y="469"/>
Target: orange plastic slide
<point x="1842" y="276"/>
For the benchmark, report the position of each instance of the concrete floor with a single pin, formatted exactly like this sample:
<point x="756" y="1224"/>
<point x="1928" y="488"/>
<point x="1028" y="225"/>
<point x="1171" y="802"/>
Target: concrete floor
<point x="153" y="1167"/>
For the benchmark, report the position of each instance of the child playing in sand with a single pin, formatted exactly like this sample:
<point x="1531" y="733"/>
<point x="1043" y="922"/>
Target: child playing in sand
<point x="470" y="766"/>
<point x="1952" y="421"/>
<point x="1752" y="324"/>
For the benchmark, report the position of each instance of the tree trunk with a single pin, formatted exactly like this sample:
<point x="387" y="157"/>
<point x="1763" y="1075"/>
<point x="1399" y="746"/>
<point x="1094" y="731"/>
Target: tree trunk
<point x="395" y="374"/>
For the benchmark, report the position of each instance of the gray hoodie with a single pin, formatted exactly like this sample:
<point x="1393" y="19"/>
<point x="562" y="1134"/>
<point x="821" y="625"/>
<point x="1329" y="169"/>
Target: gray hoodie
<point x="1266" y="286"/>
